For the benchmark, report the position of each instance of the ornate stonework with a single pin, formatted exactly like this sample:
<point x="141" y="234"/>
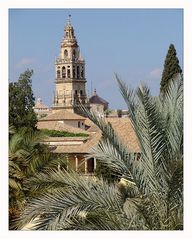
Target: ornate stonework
<point x="70" y="74"/>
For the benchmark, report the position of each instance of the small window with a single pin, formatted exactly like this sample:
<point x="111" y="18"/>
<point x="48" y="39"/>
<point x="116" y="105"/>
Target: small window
<point x="65" y="53"/>
<point x="74" y="54"/>
<point x="74" y="72"/>
<point x="76" y="92"/>
<point x="63" y="72"/>
<point x="68" y="73"/>
<point x="82" y="72"/>
<point x="81" y="92"/>
<point x="79" y="124"/>
<point x="58" y="74"/>
<point x="77" y="72"/>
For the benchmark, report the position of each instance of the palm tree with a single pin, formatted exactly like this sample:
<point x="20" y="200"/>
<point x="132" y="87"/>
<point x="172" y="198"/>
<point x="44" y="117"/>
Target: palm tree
<point x="27" y="156"/>
<point x="149" y="193"/>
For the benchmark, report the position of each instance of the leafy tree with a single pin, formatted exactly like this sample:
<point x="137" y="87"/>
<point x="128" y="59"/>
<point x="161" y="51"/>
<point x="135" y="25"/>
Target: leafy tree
<point x="171" y="68"/>
<point x="21" y="102"/>
<point x="149" y="195"/>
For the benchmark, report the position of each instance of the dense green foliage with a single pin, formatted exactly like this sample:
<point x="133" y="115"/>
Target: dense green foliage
<point x="171" y="68"/>
<point x="56" y="133"/>
<point x="149" y="194"/>
<point x="21" y="102"/>
<point x="119" y="113"/>
<point x="27" y="157"/>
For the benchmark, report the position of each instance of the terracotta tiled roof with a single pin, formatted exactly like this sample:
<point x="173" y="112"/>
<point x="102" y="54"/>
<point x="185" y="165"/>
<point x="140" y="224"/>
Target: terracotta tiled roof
<point x="55" y="125"/>
<point x="126" y="133"/>
<point x="62" y="115"/>
<point x="92" y="141"/>
<point x="122" y="126"/>
<point x="113" y="114"/>
<point x="91" y="127"/>
<point x="83" y="148"/>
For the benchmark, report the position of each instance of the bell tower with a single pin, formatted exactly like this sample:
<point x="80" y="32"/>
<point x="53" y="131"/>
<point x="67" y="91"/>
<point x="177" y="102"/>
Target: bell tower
<point x="70" y="81"/>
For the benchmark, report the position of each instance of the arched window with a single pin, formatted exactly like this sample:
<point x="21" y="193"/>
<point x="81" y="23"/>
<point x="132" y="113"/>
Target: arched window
<point x="81" y="92"/>
<point x="79" y="124"/>
<point x="63" y="72"/>
<point x="58" y="74"/>
<point x="65" y="53"/>
<point x="72" y="33"/>
<point x="74" y="54"/>
<point x="74" y="75"/>
<point x="77" y="72"/>
<point x="68" y="73"/>
<point x="82" y="72"/>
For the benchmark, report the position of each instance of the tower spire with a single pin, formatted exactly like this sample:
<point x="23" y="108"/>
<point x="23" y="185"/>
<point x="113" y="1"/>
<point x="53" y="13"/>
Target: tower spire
<point x="69" y="31"/>
<point x="69" y="19"/>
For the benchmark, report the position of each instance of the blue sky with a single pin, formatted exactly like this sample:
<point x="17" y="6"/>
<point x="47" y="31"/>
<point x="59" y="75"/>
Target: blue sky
<point x="130" y="42"/>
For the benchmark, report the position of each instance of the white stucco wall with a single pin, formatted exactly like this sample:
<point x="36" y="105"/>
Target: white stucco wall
<point x="74" y="123"/>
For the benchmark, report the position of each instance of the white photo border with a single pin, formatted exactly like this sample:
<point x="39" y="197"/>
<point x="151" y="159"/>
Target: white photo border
<point x="5" y="5"/>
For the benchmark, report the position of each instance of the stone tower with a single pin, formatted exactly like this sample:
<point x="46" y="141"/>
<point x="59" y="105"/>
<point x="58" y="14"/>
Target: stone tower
<point x="70" y="74"/>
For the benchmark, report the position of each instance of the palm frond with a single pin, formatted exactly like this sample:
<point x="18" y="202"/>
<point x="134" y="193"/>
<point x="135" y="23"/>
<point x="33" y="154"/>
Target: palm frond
<point x="173" y="113"/>
<point x="107" y="153"/>
<point x="14" y="184"/>
<point x="12" y="129"/>
<point x="175" y="193"/>
<point x="147" y="122"/>
<point x="15" y="147"/>
<point x="77" y="191"/>
<point x="110" y="138"/>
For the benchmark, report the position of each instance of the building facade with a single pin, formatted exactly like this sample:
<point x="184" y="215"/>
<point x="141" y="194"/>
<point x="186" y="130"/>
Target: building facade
<point x="70" y="74"/>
